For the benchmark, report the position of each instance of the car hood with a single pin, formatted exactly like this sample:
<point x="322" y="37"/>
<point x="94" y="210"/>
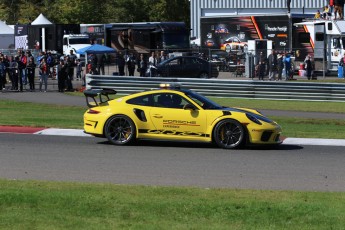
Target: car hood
<point x="251" y="112"/>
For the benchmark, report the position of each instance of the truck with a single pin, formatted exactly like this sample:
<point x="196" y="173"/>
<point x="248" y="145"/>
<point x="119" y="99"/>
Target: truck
<point x="327" y="40"/>
<point x="59" y="38"/>
<point x="74" y="42"/>
<point x="141" y="37"/>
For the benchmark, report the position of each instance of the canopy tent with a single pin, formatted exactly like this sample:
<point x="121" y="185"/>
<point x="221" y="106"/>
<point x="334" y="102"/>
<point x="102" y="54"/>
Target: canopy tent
<point x="41" y="20"/>
<point x="5" y="29"/>
<point x="6" y="36"/>
<point x="95" y="49"/>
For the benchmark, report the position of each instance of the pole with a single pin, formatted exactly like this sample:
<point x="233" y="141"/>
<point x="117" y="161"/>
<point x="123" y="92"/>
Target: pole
<point x="43" y="39"/>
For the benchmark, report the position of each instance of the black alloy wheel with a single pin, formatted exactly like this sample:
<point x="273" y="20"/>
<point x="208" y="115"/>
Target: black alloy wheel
<point x="120" y="130"/>
<point x="229" y="134"/>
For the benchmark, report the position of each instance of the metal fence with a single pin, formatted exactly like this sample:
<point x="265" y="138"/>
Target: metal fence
<point x="242" y="62"/>
<point x="238" y="61"/>
<point x="275" y="90"/>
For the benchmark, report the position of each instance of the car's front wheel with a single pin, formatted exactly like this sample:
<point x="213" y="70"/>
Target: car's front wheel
<point x="120" y="130"/>
<point x="203" y="75"/>
<point x="228" y="134"/>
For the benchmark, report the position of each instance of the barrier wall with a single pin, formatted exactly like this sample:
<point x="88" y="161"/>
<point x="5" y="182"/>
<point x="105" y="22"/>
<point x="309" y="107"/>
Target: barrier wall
<point x="275" y="90"/>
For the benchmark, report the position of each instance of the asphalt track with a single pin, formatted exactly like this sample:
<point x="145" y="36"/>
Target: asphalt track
<point x="162" y="163"/>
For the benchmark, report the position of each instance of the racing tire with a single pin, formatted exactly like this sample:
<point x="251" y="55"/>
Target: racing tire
<point x="120" y="130"/>
<point x="203" y="75"/>
<point x="229" y="134"/>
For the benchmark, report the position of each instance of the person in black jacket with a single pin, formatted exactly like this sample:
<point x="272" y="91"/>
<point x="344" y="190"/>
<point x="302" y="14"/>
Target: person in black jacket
<point x="69" y="73"/>
<point x="280" y="66"/>
<point x="100" y="63"/>
<point x="131" y="64"/>
<point x="308" y="66"/>
<point x="61" y="69"/>
<point x="272" y="65"/>
<point x="142" y="65"/>
<point x="31" y="73"/>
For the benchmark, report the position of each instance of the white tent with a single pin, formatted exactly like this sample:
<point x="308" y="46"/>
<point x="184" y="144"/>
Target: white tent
<point x="5" y="29"/>
<point x="41" y="20"/>
<point x="6" y="36"/>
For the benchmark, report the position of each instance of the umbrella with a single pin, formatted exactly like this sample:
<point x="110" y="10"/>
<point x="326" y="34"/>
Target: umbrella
<point x="95" y="49"/>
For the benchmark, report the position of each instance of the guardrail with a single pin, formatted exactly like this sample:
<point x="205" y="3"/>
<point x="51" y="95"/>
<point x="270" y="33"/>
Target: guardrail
<point x="276" y="90"/>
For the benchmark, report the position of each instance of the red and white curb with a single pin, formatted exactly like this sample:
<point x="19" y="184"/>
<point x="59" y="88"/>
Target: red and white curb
<point x="314" y="141"/>
<point x="63" y="132"/>
<point x="80" y="133"/>
<point x="43" y="131"/>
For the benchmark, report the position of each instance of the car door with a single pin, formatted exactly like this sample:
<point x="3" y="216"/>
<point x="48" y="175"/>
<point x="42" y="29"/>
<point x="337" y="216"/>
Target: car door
<point x="175" y="122"/>
<point x="191" y="67"/>
<point x="174" y="68"/>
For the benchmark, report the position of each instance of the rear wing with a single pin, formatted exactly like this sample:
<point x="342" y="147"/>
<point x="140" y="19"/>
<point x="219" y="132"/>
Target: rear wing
<point x="102" y="94"/>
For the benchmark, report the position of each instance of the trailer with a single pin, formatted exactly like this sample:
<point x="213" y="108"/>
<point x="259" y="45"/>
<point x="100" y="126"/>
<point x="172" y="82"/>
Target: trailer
<point x="327" y="38"/>
<point x="232" y="33"/>
<point x="141" y="37"/>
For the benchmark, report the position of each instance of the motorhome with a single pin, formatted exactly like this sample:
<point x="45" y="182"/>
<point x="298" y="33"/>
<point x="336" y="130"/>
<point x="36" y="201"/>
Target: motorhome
<point x="327" y="38"/>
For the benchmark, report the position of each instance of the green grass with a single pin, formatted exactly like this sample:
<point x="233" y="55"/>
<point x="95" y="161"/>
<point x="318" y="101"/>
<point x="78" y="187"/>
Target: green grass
<point x="303" y="106"/>
<point x="40" y="115"/>
<point x="55" y="205"/>
<point x="311" y="128"/>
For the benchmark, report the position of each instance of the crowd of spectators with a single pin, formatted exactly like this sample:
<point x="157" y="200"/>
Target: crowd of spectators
<point x="19" y="72"/>
<point x="145" y="66"/>
<point x="334" y="7"/>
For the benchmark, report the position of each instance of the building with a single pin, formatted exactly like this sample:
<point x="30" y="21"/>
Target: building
<point x="224" y="8"/>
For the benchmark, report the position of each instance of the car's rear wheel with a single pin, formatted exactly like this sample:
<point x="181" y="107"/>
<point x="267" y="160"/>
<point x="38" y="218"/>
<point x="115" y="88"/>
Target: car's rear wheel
<point x="120" y="130"/>
<point x="229" y="134"/>
<point x="203" y="75"/>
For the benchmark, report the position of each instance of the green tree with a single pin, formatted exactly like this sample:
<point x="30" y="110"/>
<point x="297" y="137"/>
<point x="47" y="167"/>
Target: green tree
<point x="93" y="11"/>
<point x="172" y="10"/>
<point x="9" y="11"/>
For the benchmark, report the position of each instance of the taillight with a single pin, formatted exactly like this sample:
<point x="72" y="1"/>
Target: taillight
<point x="92" y="111"/>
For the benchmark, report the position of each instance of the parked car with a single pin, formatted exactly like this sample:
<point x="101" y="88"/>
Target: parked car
<point x="187" y="66"/>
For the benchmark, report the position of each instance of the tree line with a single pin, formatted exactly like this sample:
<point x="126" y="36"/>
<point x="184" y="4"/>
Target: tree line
<point x="93" y="11"/>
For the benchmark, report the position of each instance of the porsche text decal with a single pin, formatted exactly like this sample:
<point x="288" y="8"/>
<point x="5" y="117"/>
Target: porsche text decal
<point x="178" y="123"/>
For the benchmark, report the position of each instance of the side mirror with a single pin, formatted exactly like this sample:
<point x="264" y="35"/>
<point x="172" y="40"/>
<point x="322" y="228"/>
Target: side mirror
<point x="188" y="107"/>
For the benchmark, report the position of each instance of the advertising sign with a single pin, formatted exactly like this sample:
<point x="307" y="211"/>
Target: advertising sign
<point x="233" y="33"/>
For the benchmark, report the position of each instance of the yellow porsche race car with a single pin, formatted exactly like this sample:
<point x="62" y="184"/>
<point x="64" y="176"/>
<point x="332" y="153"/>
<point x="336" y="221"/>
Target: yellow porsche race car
<point x="176" y="114"/>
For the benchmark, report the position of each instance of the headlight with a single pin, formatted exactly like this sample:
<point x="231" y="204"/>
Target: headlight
<point x="253" y="119"/>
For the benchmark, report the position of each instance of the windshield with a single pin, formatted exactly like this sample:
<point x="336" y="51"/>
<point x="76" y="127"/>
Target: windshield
<point x="176" y="40"/>
<point x="79" y="41"/>
<point x="202" y="101"/>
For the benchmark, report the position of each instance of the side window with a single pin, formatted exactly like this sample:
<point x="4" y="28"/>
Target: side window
<point x="142" y="100"/>
<point x="174" y="62"/>
<point x="162" y="100"/>
<point x="178" y="102"/>
<point x="188" y="61"/>
<point x="167" y="100"/>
